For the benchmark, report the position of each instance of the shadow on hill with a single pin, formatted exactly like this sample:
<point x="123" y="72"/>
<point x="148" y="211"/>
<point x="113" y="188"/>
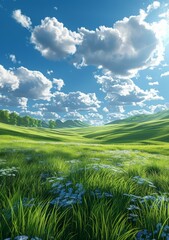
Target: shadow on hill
<point x="31" y="136"/>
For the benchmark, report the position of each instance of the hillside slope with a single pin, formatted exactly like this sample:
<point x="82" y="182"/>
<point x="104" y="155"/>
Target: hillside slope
<point x="145" y="132"/>
<point x="132" y="133"/>
<point x="70" y="124"/>
<point x="143" y="118"/>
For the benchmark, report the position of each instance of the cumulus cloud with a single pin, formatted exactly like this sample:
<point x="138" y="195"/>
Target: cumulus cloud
<point x="115" y="116"/>
<point x="62" y="102"/>
<point x="74" y="115"/>
<point x="164" y="14"/>
<point x="149" y="78"/>
<point x="13" y="59"/>
<point x="153" y="6"/>
<point x="138" y="112"/>
<point x="94" y="119"/>
<point x="125" y="92"/>
<point x="59" y="83"/>
<point x="153" y="83"/>
<point x="105" y="109"/>
<point x="37" y="114"/>
<point x="91" y="117"/>
<point x="22" y="19"/>
<point x="158" y="107"/>
<point x="8" y="79"/>
<point x="53" y="40"/>
<point x="165" y="74"/>
<point x="75" y="101"/>
<point x="10" y="101"/>
<point x="23" y="102"/>
<point x="33" y="84"/>
<point x="131" y="45"/>
<point x="20" y="84"/>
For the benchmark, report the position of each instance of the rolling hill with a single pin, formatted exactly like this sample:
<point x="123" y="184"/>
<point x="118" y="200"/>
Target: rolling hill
<point x="150" y="132"/>
<point x="143" y="118"/>
<point x="70" y="124"/>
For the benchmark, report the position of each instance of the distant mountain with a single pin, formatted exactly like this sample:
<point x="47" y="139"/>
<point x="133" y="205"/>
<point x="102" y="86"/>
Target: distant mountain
<point x="70" y="124"/>
<point x="143" y="118"/>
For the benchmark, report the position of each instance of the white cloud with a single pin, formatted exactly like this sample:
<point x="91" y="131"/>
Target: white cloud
<point x="149" y="78"/>
<point x="59" y="83"/>
<point x="8" y="79"/>
<point x="73" y="101"/>
<point x="53" y="40"/>
<point x="13" y="58"/>
<point x="138" y="112"/>
<point x="49" y="72"/>
<point x="131" y="45"/>
<point x="105" y="109"/>
<point x="165" y="14"/>
<point x="50" y="115"/>
<point x="8" y="101"/>
<point x="165" y="74"/>
<point x="115" y="116"/>
<point x="23" y="102"/>
<point x="161" y="30"/>
<point x="74" y="115"/>
<point x="158" y="108"/>
<point x="37" y="114"/>
<point x="121" y="109"/>
<point x="20" y="84"/>
<point x="22" y="19"/>
<point x="125" y="92"/>
<point x="153" y="6"/>
<point x="32" y="84"/>
<point x="153" y="83"/>
<point x="94" y="118"/>
<point x="91" y="117"/>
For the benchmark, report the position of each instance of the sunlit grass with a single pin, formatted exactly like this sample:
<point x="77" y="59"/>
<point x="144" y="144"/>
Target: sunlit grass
<point x="80" y="191"/>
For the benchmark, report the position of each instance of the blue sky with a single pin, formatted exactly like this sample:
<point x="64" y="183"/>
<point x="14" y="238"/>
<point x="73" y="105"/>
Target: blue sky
<point x="95" y="61"/>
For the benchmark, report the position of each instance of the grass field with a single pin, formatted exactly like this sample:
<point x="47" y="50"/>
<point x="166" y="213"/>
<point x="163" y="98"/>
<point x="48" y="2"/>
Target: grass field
<point x="99" y="183"/>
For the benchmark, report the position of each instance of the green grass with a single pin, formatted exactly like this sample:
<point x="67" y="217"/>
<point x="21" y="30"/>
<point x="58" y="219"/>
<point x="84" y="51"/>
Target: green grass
<point x="152" y="132"/>
<point x="101" y="161"/>
<point x="144" y="118"/>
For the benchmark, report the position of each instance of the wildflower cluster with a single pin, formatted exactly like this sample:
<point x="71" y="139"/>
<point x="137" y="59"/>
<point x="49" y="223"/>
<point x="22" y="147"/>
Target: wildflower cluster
<point x="136" y="202"/>
<point x="9" y="172"/>
<point x="105" y="166"/>
<point x="2" y="161"/>
<point x="141" y="181"/>
<point x="73" y="161"/>
<point x="67" y="193"/>
<point x="94" y="159"/>
<point x="160" y="232"/>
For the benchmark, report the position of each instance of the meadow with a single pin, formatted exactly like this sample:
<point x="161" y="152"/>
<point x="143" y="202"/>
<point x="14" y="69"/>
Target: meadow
<point x="99" y="183"/>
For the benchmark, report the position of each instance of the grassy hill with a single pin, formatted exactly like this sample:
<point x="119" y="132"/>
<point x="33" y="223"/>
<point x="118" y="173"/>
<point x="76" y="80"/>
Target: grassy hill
<point x="70" y="124"/>
<point x="106" y="182"/>
<point x="132" y="133"/>
<point x="143" y="118"/>
<point x="144" y="132"/>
